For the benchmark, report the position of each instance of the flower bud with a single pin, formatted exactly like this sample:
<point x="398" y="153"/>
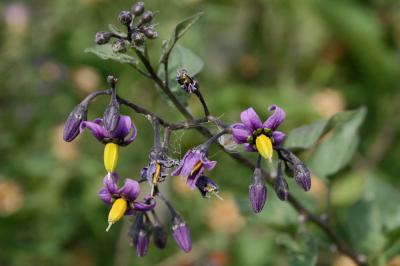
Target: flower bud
<point x="147" y="16"/>
<point x="137" y="38"/>
<point x="281" y="186"/>
<point x="142" y="243"/>
<point x="181" y="233"/>
<point x="257" y="191"/>
<point x="302" y="176"/>
<point x="138" y="8"/>
<point x="119" y="46"/>
<point x="74" y="120"/>
<point x="125" y="17"/>
<point x="111" y="115"/>
<point x="102" y="37"/>
<point x="159" y="236"/>
<point x="150" y="33"/>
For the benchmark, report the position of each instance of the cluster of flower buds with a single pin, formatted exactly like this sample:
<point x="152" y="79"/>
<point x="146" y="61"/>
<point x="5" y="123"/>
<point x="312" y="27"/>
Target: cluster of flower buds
<point x="138" y="25"/>
<point x="262" y="137"/>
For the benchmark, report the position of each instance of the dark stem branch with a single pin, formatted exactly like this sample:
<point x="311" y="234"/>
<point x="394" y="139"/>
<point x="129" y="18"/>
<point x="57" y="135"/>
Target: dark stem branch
<point x="203" y="102"/>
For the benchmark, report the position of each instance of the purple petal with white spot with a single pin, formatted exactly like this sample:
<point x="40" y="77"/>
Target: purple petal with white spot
<point x="275" y="119"/>
<point x="250" y="119"/>
<point x="110" y="183"/>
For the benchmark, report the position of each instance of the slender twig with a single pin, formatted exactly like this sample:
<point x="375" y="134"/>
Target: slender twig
<point x="203" y="102"/>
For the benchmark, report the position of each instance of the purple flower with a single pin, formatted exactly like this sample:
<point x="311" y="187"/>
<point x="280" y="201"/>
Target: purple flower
<point x="258" y="136"/>
<point x="257" y="191"/>
<point x="123" y="134"/>
<point x="181" y="234"/>
<point x="129" y="192"/>
<point x="207" y="186"/>
<point x="187" y="83"/>
<point x="192" y="166"/>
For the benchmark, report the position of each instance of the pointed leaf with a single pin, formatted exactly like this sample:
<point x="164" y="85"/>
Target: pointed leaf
<point x="105" y="52"/>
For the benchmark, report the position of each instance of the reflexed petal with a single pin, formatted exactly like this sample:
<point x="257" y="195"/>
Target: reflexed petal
<point x="144" y="206"/>
<point x="276" y="118"/>
<point x="96" y="128"/>
<point x="105" y="196"/>
<point x="130" y="190"/>
<point x="123" y="128"/>
<point x="240" y="133"/>
<point x="186" y="165"/>
<point x="278" y="137"/>
<point x="250" y="119"/>
<point x="209" y="165"/>
<point x="110" y="183"/>
<point x="131" y="135"/>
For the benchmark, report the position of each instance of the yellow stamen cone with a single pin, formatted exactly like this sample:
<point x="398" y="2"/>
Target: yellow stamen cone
<point x="264" y="146"/>
<point x="198" y="165"/>
<point x="118" y="210"/>
<point x="111" y="156"/>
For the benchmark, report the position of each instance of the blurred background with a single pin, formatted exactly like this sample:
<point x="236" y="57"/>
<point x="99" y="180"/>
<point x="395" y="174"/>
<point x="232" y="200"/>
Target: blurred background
<point x="312" y="57"/>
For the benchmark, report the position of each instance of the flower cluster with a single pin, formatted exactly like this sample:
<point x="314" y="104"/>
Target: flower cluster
<point x="139" y="27"/>
<point x="115" y="130"/>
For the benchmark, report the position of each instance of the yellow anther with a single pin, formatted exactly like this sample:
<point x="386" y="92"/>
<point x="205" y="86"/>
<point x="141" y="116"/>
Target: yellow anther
<point x="118" y="210"/>
<point x="156" y="174"/>
<point x="198" y="165"/>
<point x="264" y="146"/>
<point x="111" y="156"/>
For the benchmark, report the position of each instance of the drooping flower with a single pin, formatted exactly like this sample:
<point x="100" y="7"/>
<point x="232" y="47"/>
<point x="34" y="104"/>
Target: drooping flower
<point x="258" y="136"/>
<point x="187" y="83"/>
<point x="207" y="186"/>
<point x="193" y="165"/>
<point x="123" y="134"/>
<point x="123" y="199"/>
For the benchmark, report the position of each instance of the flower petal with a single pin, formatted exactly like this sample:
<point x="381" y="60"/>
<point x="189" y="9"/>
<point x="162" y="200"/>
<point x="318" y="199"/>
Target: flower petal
<point x="130" y="190"/>
<point x="249" y="147"/>
<point x="240" y="133"/>
<point x="186" y="165"/>
<point x="192" y="179"/>
<point x="105" y="196"/>
<point x="96" y="128"/>
<point x="110" y="183"/>
<point x="250" y="119"/>
<point x="276" y="118"/>
<point x="209" y="165"/>
<point x="123" y="128"/>
<point x="278" y="137"/>
<point x="131" y="135"/>
<point x="148" y="205"/>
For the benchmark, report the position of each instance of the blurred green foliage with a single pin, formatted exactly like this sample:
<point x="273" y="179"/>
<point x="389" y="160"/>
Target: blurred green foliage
<point x="312" y="57"/>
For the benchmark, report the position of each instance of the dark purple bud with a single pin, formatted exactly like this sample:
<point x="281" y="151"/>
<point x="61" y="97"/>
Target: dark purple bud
<point x="137" y="38"/>
<point x="111" y="115"/>
<point x="281" y="186"/>
<point x="300" y="171"/>
<point x="125" y="17"/>
<point x="119" y="46"/>
<point x="102" y="37"/>
<point x="302" y="176"/>
<point x="135" y="228"/>
<point x="206" y="186"/>
<point x="138" y="8"/>
<point x="147" y="16"/>
<point x="159" y="236"/>
<point x="142" y="243"/>
<point x="181" y="234"/>
<point x="74" y="120"/>
<point x="257" y="191"/>
<point x="150" y="33"/>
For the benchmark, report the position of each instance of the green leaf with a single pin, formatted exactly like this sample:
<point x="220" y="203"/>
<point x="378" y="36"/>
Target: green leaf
<point x="181" y="57"/>
<point x="105" y="52"/>
<point x="303" y="251"/>
<point x="180" y="29"/>
<point x="306" y="136"/>
<point x="335" y="152"/>
<point x="116" y="30"/>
